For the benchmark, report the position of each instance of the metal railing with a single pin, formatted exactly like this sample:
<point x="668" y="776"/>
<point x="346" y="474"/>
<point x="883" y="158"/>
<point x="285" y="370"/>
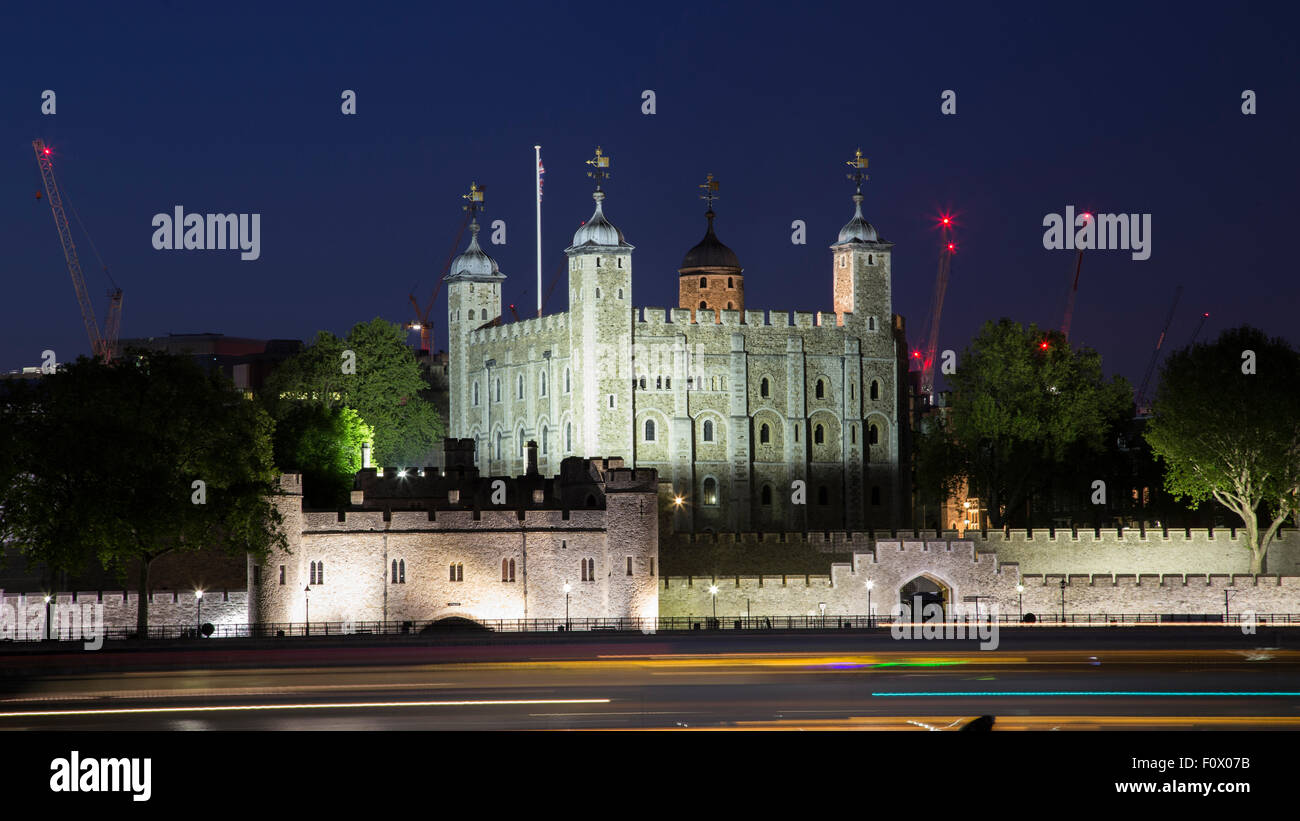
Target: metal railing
<point x="669" y="624"/>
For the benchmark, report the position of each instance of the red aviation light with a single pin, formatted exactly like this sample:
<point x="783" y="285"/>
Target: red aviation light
<point x="1043" y="345"/>
<point x="47" y="152"/>
<point x="951" y="247"/>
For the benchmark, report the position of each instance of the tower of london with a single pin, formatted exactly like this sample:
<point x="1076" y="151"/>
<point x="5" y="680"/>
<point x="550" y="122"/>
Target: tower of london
<point x="753" y="419"/>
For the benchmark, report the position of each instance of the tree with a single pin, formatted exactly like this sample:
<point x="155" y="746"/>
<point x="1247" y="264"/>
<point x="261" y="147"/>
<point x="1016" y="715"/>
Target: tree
<point x="373" y="372"/>
<point x="127" y="462"/>
<point x="1227" y="426"/>
<point x="1023" y="403"/>
<point x="324" y="444"/>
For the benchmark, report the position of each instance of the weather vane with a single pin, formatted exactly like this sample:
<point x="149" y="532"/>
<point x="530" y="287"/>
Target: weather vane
<point x="710" y="194"/>
<point x="475" y="197"/>
<point x="601" y="163"/>
<point x="859" y="166"/>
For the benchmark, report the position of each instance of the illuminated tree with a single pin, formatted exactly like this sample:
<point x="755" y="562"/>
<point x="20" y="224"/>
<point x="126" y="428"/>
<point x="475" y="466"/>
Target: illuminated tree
<point x="1227" y="427"/>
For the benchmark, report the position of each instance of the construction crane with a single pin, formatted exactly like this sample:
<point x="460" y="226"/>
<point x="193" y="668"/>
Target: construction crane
<point x="423" y="321"/>
<point x="923" y="360"/>
<point x="1199" y="326"/>
<point x="1155" y="355"/>
<point x="102" y="345"/>
<point x="1074" y="289"/>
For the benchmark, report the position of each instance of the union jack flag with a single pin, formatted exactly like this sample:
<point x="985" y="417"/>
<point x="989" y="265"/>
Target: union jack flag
<point x="541" y="178"/>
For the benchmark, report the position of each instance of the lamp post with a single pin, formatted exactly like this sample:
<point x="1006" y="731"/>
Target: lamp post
<point x="1020" y="590"/>
<point x="47" y="617"/>
<point x="713" y="591"/>
<point x="198" y="612"/>
<point x="1226" y="595"/>
<point x="1062" y="601"/>
<point x="567" y="588"/>
<point x="306" y="599"/>
<point x="870" y="620"/>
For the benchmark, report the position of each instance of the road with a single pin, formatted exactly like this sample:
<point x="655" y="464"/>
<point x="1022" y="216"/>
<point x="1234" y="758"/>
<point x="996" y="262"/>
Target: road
<point x="1067" y="679"/>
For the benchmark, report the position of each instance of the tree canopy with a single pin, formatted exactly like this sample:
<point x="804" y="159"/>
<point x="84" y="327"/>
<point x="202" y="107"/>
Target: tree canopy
<point x="1227" y="426"/>
<point x="1024" y="404"/>
<point x="122" y="463"/>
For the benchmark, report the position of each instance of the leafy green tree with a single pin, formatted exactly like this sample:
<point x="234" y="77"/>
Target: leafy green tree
<point x="384" y="387"/>
<point x="1023" y="403"/>
<point x="1227" y="426"/>
<point x="324" y="444"/>
<point x="112" y="457"/>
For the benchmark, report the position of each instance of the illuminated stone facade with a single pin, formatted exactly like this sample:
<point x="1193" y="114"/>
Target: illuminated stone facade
<point x="733" y="408"/>
<point x="430" y="545"/>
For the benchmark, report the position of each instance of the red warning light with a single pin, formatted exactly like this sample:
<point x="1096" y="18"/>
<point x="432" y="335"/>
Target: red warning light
<point x="47" y="152"/>
<point x="952" y="247"/>
<point x="1043" y="345"/>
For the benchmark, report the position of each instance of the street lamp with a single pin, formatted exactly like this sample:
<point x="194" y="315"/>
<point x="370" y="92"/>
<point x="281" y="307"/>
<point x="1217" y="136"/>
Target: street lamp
<point x="713" y="591"/>
<point x="1020" y="607"/>
<point x="1062" y="601"/>
<point x="567" y="588"/>
<point x="198" y="612"/>
<point x="870" y="620"/>
<point x="47" y="616"/>
<point x="306" y="598"/>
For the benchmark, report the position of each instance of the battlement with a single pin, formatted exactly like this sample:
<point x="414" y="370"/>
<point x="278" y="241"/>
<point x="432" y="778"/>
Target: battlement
<point x="290" y="484"/>
<point x="536" y="325"/>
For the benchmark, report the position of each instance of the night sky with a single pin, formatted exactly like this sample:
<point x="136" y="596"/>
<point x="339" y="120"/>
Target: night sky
<point x="1113" y="107"/>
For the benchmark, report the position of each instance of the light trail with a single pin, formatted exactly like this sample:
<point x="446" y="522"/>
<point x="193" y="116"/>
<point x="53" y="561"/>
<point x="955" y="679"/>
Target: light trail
<point x="346" y="705"/>
<point x="1053" y="693"/>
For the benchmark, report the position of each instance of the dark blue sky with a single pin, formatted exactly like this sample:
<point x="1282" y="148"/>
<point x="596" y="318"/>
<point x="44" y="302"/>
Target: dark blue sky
<point x="1117" y="107"/>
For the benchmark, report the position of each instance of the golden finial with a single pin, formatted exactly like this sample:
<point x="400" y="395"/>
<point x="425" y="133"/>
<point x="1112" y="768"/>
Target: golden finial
<point x="710" y="194"/>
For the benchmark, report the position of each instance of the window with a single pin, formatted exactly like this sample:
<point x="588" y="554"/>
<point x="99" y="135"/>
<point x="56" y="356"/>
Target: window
<point x="541" y="383"/>
<point x="507" y="570"/>
<point x="611" y="400"/>
<point x="399" y="571"/>
<point x="588" y="570"/>
<point x="871" y="259"/>
<point x="620" y="290"/>
<point x="823" y="495"/>
<point x="643" y="383"/>
<point x="317" y="573"/>
<point x="764" y="434"/>
<point x="707" y="429"/>
<point x="568" y="437"/>
<point x="597" y="262"/>
<point x="281" y="574"/>
<point x="819" y="435"/>
<point x="871" y="323"/>
<point x="629" y="565"/>
<point x="471" y="313"/>
<point x="764" y="390"/>
<point x="394" y="572"/>
<point x="704" y="283"/>
<point x="456" y="571"/>
<point x="844" y="261"/>
<point x="498" y="456"/>
<point x="649" y="430"/>
<point x="522" y="444"/>
<point x="730" y="284"/>
<point x="875" y="495"/>
<point x="620" y="264"/>
<point x="796" y="434"/>
<point x="652" y="565"/>
<point x="597" y="292"/>
<point x="853" y="434"/>
<point x="257" y="575"/>
<point x="497" y="391"/>
<point x="710" y="495"/>
<point x="659" y="383"/>
<point x="567" y="386"/>
<point x="476" y="393"/>
<point x="703" y="305"/>
<point x="668" y="383"/>
<point x="853" y="390"/>
<point x="820" y="390"/>
<point x="875" y="389"/>
<point x="520" y="388"/>
<point x="546" y="440"/>
<point x="728" y="306"/>
<point x="873" y="435"/>
<point x="767" y="496"/>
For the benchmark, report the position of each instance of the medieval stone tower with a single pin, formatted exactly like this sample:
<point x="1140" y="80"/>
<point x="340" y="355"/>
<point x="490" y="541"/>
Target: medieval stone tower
<point x="754" y="420"/>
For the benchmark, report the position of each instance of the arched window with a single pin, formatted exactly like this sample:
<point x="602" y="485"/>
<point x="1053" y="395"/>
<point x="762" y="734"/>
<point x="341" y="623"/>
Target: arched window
<point x="471" y="313"/>
<point x="704" y="283"/>
<point x="764" y="434"/>
<point x="767" y="495"/>
<point x="873" y="435"/>
<point x="659" y="383"/>
<point x="620" y="290"/>
<point x="643" y="383"/>
<point x="520" y="389"/>
<point x="707" y="431"/>
<point x="730" y="284"/>
<point x="820" y="390"/>
<point x="568" y="437"/>
<point x="394" y="571"/>
<point x="728" y="306"/>
<point x="401" y="571"/>
<point x="541" y="383"/>
<point x="320" y="572"/>
<point x="522" y="444"/>
<point x="497" y="391"/>
<point x="763" y="389"/>
<point x="668" y="383"/>
<point x="875" y="389"/>
<point x="312" y="573"/>
<point x="588" y="570"/>
<point x="456" y="572"/>
<point x="819" y="435"/>
<point x="871" y="259"/>
<point x="649" y="430"/>
<point x="507" y="570"/>
<point x="498" y="456"/>
<point x="710" y="495"/>
<point x="823" y="495"/>
<point x="546" y="440"/>
<point x="597" y="293"/>
<point x="567" y="386"/>
<point x="871" y="323"/>
<point x="703" y="305"/>
<point x="476" y="393"/>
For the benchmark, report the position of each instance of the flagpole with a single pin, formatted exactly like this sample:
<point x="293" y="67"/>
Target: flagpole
<point x="537" y="173"/>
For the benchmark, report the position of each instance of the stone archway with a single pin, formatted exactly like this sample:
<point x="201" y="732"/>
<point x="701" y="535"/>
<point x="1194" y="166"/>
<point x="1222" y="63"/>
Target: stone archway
<point x="931" y="589"/>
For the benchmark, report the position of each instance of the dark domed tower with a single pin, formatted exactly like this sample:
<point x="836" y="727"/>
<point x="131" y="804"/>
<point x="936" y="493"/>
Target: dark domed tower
<point x="710" y="275"/>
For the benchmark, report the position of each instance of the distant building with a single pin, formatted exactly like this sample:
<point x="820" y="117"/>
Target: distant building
<point x="246" y="361"/>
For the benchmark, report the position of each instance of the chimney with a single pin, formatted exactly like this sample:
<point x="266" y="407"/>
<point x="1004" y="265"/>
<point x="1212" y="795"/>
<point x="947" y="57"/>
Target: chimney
<point x="530" y="455"/>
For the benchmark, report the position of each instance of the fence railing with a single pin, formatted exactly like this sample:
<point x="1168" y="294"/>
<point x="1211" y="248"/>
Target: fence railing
<point x="667" y="624"/>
